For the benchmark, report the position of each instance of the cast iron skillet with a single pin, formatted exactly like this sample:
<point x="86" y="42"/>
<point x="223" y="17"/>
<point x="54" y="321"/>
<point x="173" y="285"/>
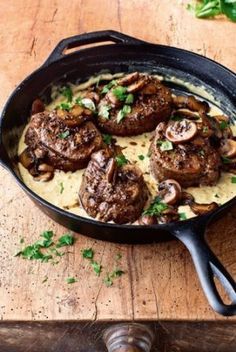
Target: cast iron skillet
<point x="127" y="54"/>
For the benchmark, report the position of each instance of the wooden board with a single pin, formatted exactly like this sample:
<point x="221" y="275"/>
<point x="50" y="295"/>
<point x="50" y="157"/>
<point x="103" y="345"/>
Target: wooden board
<point x="159" y="281"/>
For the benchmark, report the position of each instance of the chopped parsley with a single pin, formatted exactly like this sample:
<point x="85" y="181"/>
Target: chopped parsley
<point x="118" y="256"/>
<point x="223" y="125"/>
<point x="104" y="111"/>
<point x="123" y="112"/>
<point x="108" y="86"/>
<point x="87" y="253"/>
<point x="182" y="216"/>
<point x="96" y="267"/>
<point x="108" y="280"/>
<point x="165" y="145"/>
<point x="65" y="106"/>
<point x="233" y="179"/>
<point x="71" y="280"/>
<point x="65" y="240"/>
<point x="64" y="135"/>
<point x="205" y="129"/>
<point x="117" y="273"/>
<point x="120" y="93"/>
<point x="107" y="138"/>
<point x="67" y="93"/>
<point x="121" y="160"/>
<point x="226" y="160"/>
<point x="217" y="196"/>
<point x="156" y="208"/>
<point x="129" y="99"/>
<point x="61" y="187"/>
<point x="141" y="157"/>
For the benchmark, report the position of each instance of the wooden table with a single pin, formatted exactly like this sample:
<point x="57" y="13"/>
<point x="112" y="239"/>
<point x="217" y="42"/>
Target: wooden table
<point x="159" y="283"/>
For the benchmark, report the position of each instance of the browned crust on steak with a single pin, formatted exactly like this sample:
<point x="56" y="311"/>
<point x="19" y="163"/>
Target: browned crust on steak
<point x="70" y="153"/>
<point x="192" y="163"/>
<point x="147" y="111"/>
<point x="112" y="193"/>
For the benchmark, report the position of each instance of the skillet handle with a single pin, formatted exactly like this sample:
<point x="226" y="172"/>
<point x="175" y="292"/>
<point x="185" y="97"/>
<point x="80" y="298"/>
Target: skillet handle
<point x="208" y="266"/>
<point x="90" y="38"/>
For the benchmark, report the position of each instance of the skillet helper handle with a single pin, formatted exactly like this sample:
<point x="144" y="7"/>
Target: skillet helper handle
<point x="90" y="38"/>
<point x="208" y="266"/>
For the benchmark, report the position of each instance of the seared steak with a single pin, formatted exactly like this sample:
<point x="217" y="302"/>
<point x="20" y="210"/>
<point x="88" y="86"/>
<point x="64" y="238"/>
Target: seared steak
<point x="111" y="191"/>
<point x="182" y="150"/>
<point x="134" y="105"/>
<point x="59" y="142"/>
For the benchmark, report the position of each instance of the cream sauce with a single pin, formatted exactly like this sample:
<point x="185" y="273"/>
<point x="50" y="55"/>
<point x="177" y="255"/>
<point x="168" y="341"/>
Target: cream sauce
<point x="135" y="149"/>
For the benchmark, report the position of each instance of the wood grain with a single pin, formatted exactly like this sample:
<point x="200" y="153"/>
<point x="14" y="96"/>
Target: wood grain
<point x="160" y="282"/>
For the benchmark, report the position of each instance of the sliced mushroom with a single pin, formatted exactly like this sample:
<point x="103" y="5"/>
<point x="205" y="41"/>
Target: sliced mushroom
<point x="186" y="114"/>
<point x="228" y="148"/>
<point x="27" y="158"/>
<point x="128" y="79"/>
<point x="200" y="209"/>
<point x="147" y="220"/>
<point x="221" y="118"/>
<point x="181" y="131"/>
<point x="37" y="106"/>
<point x="75" y="117"/>
<point x="40" y="153"/>
<point x="149" y="89"/>
<point x="44" y="177"/>
<point x="170" y="191"/>
<point x="169" y="215"/>
<point x="191" y="103"/>
<point x="45" y="168"/>
<point x="136" y="86"/>
<point x="187" y="198"/>
<point x="93" y="96"/>
<point x="111" y="171"/>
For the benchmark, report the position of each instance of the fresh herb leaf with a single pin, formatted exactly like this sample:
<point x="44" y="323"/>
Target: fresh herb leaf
<point x="217" y="196"/>
<point x="120" y="93"/>
<point x="182" y="216"/>
<point x="104" y="111"/>
<point x="117" y="273"/>
<point x="71" y="280"/>
<point x="61" y="187"/>
<point x="65" y="240"/>
<point x="123" y="112"/>
<point x="121" y="160"/>
<point x="118" y="256"/>
<point x="129" y="99"/>
<point x="233" y="179"/>
<point x="226" y="160"/>
<point x="65" y="106"/>
<point x="96" y="267"/>
<point x="141" y="157"/>
<point x="108" y="86"/>
<point x="67" y="93"/>
<point x="47" y="239"/>
<point x="156" y="208"/>
<point x="107" y="138"/>
<point x="165" y="145"/>
<point x="205" y="129"/>
<point x="56" y="252"/>
<point x="212" y="8"/>
<point x="87" y="253"/>
<point x="228" y="7"/>
<point x="223" y="125"/>
<point x="64" y="135"/>
<point x="108" y="280"/>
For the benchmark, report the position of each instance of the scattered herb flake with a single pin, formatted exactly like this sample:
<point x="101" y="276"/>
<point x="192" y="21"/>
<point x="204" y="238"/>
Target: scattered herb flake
<point x="223" y="125"/>
<point x="205" y="129"/>
<point x="121" y="160"/>
<point x="156" y="208"/>
<point x="108" y="280"/>
<point x="65" y="240"/>
<point x="22" y="240"/>
<point x="67" y="93"/>
<point x="141" y="157"/>
<point x="165" y="145"/>
<point x="123" y="112"/>
<point x="64" y="135"/>
<point x="129" y="99"/>
<point x="117" y="273"/>
<point x="87" y="253"/>
<point x="65" y="106"/>
<point x="107" y="138"/>
<point x="226" y="160"/>
<point x="217" y="196"/>
<point x="108" y="86"/>
<point x="71" y="280"/>
<point x="118" y="256"/>
<point x="233" y="179"/>
<point x="96" y="267"/>
<point x="182" y="216"/>
<point x="104" y="111"/>
<point x="120" y="93"/>
<point x="61" y="187"/>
